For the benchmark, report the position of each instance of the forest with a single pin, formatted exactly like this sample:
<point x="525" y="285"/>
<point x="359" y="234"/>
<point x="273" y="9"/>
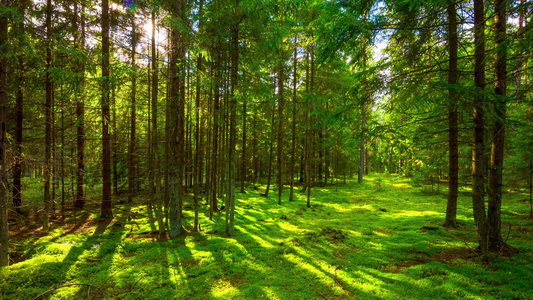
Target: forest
<point x="280" y="149"/>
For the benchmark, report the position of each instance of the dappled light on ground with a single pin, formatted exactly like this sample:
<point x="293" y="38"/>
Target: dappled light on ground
<point x="363" y="241"/>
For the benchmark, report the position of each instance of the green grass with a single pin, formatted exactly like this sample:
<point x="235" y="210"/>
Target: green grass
<point x="361" y="241"/>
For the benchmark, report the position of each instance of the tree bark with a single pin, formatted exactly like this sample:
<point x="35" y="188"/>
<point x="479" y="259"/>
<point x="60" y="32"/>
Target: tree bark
<point x="281" y="105"/>
<point x="176" y="138"/>
<point x="216" y="127"/>
<point x="309" y="138"/>
<point x="80" y="112"/>
<point x="106" y="211"/>
<point x="155" y="135"/>
<point x="478" y="202"/>
<point x="197" y="167"/>
<point x="48" y="118"/>
<point x="498" y="129"/>
<point x="230" y="193"/>
<point x="271" y="151"/>
<point x="453" y="151"/>
<point x="19" y="113"/>
<point x="293" y="145"/>
<point x="362" y="145"/>
<point x="132" y="167"/>
<point x="243" y="153"/>
<point x="4" y="233"/>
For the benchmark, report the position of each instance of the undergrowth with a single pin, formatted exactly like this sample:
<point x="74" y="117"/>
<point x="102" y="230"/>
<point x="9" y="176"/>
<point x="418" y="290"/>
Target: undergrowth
<point x="380" y="239"/>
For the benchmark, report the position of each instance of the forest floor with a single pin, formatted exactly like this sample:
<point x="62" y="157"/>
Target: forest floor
<point x="381" y="239"/>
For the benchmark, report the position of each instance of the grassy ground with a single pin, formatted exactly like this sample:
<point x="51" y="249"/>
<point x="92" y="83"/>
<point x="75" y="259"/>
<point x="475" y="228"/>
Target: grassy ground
<point x="382" y="239"/>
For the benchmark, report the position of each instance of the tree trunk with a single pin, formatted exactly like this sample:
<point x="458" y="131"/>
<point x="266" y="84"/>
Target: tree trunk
<point x="362" y="145"/>
<point x="498" y="129"/>
<point x="106" y="211"/>
<point x="478" y="202"/>
<point x="114" y="144"/>
<point x="230" y="193"/>
<point x="310" y="128"/>
<point x="271" y="155"/>
<point x="80" y="112"/>
<point x="175" y="173"/>
<point x="216" y="126"/>
<point x="281" y="105"/>
<point x="54" y="157"/>
<point x="48" y="118"/>
<point x="155" y="135"/>
<point x="18" y="157"/>
<point x="62" y="163"/>
<point x="255" y="161"/>
<point x="197" y="167"/>
<point x="389" y="147"/>
<point x="132" y="172"/>
<point x="243" y="153"/>
<point x="4" y="233"/>
<point x="453" y="158"/>
<point x="293" y="146"/>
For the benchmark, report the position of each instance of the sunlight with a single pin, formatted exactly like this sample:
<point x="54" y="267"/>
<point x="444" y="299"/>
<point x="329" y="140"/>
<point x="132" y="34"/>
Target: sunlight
<point x="147" y="29"/>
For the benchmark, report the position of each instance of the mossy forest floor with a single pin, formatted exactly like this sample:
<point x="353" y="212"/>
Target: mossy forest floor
<point x="382" y="239"/>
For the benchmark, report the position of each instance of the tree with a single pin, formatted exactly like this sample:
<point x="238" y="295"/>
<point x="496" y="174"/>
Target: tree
<point x="281" y="105"/>
<point x="230" y="192"/>
<point x="176" y="136"/>
<point x="19" y="113"/>
<point x="80" y="106"/>
<point x="293" y="144"/>
<point x="453" y="154"/>
<point x="106" y="211"/>
<point x="4" y="234"/>
<point x="155" y="135"/>
<point x="132" y="150"/>
<point x="496" y="242"/>
<point x="49" y="116"/>
<point x="478" y="202"/>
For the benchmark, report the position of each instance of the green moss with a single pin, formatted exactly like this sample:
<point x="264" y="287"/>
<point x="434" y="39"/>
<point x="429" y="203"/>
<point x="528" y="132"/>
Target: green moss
<point x="363" y="241"/>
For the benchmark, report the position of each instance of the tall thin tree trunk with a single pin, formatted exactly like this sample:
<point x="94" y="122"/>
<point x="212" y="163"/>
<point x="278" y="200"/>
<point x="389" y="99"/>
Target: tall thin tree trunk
<point x="293" y="145"/>
<point x="530" y="187"/>
<point x="80" y="112"/>
<point x="230" y="193"/>
<point x="310" y="129"/>
<point x="216" y="127"/>
<point x="155" y="135"/>
<point x="106" y="211"/>
<point x="62" y="162"/>
<point x="54" y="157"/>
<point x="498" y="129"/>
<point x="389" y="165"/>
<point x="453" y="158"/>
<point x="243" y="153"/>
<point x="326" y="151"/>
<point x="197" y="154"/>
<point x="362" y="144"/>
<point x="478" y="202"/>
<point x="4" y="233"/>
<point x="19" y="113"/>
<point x="176" y="138"/>
<point x="114" y="144"/>
<point x="281" y="105"/>
<point x="150" y="157"/>
<point x="48" y="118"/>
<point x="132" y="174"/>
<point x="271" y="151"/>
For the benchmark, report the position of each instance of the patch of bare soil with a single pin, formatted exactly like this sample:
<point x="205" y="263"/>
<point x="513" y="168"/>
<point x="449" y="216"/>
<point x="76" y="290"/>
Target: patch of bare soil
<point x="424" y="258"/>
<point x="31" y="227"/>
